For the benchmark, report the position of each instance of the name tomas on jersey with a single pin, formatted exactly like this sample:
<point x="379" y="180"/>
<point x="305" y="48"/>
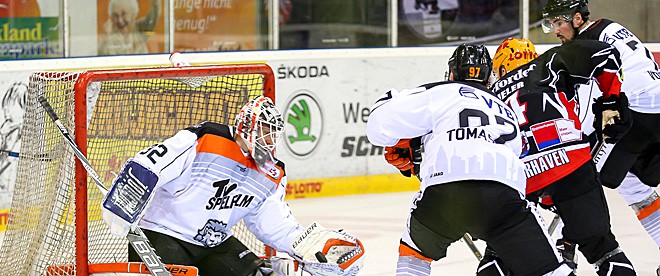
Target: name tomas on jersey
<point x="467" y="133"/>
<point x="545" y="162"/>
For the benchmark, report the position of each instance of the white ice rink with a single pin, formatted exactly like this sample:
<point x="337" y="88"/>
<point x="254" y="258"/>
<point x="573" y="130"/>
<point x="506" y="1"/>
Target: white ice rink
<point x="379" y="219"/>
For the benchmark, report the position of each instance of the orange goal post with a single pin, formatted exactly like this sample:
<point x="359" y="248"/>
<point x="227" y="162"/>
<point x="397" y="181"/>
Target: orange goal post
<point x="55" y="216"/>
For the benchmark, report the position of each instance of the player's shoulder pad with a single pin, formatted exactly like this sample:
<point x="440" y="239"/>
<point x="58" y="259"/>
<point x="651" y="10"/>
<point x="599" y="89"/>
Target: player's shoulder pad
<point x="433" y="84"/>
<point x="594" y="31"/>
<point x="211" y="128"/>
<point x="468" y="83"/>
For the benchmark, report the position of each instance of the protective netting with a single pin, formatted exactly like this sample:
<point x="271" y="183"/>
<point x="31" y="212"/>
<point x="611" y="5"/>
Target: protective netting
<point x="123" y="117"/>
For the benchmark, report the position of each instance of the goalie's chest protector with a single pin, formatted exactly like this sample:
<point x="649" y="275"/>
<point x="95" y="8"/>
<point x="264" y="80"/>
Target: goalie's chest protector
<point x="219" y="186"/>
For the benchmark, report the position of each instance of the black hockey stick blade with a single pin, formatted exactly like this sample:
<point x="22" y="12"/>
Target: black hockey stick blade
<point x="136" y="237"/>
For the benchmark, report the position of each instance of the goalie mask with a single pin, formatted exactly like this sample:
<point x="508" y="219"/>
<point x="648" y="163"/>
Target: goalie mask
<point x="470" y="62"/>
<point x="511" y="54"/>
<point x="260" y="125"/>
<point x="563" y="10"/>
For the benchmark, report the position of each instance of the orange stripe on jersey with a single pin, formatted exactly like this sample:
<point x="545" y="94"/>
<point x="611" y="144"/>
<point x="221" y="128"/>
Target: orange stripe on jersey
<point x="405" y="250"/>
<point x="222" y="146"/>
<point x="648" y="210"/>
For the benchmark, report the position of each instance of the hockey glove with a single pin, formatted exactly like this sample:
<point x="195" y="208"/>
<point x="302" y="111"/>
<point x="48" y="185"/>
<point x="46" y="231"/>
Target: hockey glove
<point x="325" y="252"/>
<point x="406" y="156"/>
<point x="399" y="157"/>
<point x="612" y="117"/>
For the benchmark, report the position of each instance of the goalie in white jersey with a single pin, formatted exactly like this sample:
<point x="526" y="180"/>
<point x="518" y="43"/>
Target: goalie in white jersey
<point x="188" y="191"/>
<point x="472" y="178"/>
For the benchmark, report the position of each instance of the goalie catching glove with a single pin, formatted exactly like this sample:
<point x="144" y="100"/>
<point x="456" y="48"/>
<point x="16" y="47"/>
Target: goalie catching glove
<point x="612" y="117"/>
<point x="406" y="156"/>
<point x="325" y="252"/>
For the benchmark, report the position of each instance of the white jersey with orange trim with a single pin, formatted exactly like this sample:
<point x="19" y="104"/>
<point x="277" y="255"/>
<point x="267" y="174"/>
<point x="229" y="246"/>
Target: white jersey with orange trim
<point x="467" y="133"/>
<point x="207" y="184"/>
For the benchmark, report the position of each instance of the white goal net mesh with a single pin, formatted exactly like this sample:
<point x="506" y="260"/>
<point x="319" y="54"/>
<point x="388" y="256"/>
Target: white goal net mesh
<point x="126" y="111"/>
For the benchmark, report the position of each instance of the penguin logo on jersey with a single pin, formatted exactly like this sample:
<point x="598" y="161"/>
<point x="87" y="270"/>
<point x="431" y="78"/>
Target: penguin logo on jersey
<point x="212" y="234"/>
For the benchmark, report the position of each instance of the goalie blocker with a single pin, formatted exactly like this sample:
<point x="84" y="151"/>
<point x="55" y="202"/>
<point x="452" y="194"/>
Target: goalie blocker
<point x="128" y="196"/>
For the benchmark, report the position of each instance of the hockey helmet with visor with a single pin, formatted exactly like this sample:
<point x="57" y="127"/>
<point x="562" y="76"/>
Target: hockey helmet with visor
<point x="558" y="12"/>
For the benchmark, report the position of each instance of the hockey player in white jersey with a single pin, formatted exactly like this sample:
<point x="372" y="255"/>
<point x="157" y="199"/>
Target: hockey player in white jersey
<point x="471" y="177"/>
<point x="632" y="165"/>
<point x="187" y="192"/>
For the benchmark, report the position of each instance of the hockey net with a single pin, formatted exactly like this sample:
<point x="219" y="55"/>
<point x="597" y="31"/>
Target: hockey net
<point x="55" y="216"/>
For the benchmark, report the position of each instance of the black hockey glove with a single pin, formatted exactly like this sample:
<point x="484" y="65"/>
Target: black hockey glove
<point x="613" y="118"/>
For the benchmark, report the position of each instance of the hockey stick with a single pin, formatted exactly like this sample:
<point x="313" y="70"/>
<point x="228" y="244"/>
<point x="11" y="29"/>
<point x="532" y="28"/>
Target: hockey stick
<point x="596" y="153"/>
<point x="136" y="237"/>
<point x="10" y="153"/>
<point x="468" y="240"/>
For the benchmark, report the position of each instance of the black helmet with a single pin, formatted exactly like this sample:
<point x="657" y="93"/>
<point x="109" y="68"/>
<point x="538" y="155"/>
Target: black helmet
<point x="563" y="7"/>
<point x="471" y="62"/>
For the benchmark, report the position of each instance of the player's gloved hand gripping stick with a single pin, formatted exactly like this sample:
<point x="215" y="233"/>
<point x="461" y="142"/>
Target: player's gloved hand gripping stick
<point x="135" y="236"/>
<point x="613" y="117"/>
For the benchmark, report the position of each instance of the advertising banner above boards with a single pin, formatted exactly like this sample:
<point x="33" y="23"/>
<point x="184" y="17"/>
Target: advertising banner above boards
<point x="28" y="30"/>
<point x="324" y="95"/>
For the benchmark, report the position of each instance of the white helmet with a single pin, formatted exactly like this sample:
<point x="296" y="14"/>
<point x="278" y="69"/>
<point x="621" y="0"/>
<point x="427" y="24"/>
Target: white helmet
<point x="261" y="126"/>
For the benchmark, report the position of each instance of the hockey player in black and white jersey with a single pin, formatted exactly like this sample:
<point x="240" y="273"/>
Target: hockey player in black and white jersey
<point x="632" y="165"/>
<point x="188" y="191"/>
<point x="541" y="91"/>
<point x="471" y="177"/>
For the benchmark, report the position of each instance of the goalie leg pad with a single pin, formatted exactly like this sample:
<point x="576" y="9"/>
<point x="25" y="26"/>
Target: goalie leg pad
<point x="328" y="252"/>
<point x="412" y="262"/>
<point x="128" y="197"/>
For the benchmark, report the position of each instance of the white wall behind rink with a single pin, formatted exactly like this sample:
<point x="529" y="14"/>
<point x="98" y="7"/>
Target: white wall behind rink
<point x="339" y="86"/>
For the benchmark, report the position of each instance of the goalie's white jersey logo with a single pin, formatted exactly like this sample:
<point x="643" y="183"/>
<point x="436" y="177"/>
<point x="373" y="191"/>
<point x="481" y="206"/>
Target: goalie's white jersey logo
<point x="212" y="234"/>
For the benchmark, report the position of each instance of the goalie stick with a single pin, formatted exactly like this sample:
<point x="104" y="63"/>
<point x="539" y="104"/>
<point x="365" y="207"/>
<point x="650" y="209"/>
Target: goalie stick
<point x="136" y="237"/>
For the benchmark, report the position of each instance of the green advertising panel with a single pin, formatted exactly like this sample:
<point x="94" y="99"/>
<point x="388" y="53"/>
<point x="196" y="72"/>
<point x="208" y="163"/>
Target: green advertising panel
<point x="30" y="37"/>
